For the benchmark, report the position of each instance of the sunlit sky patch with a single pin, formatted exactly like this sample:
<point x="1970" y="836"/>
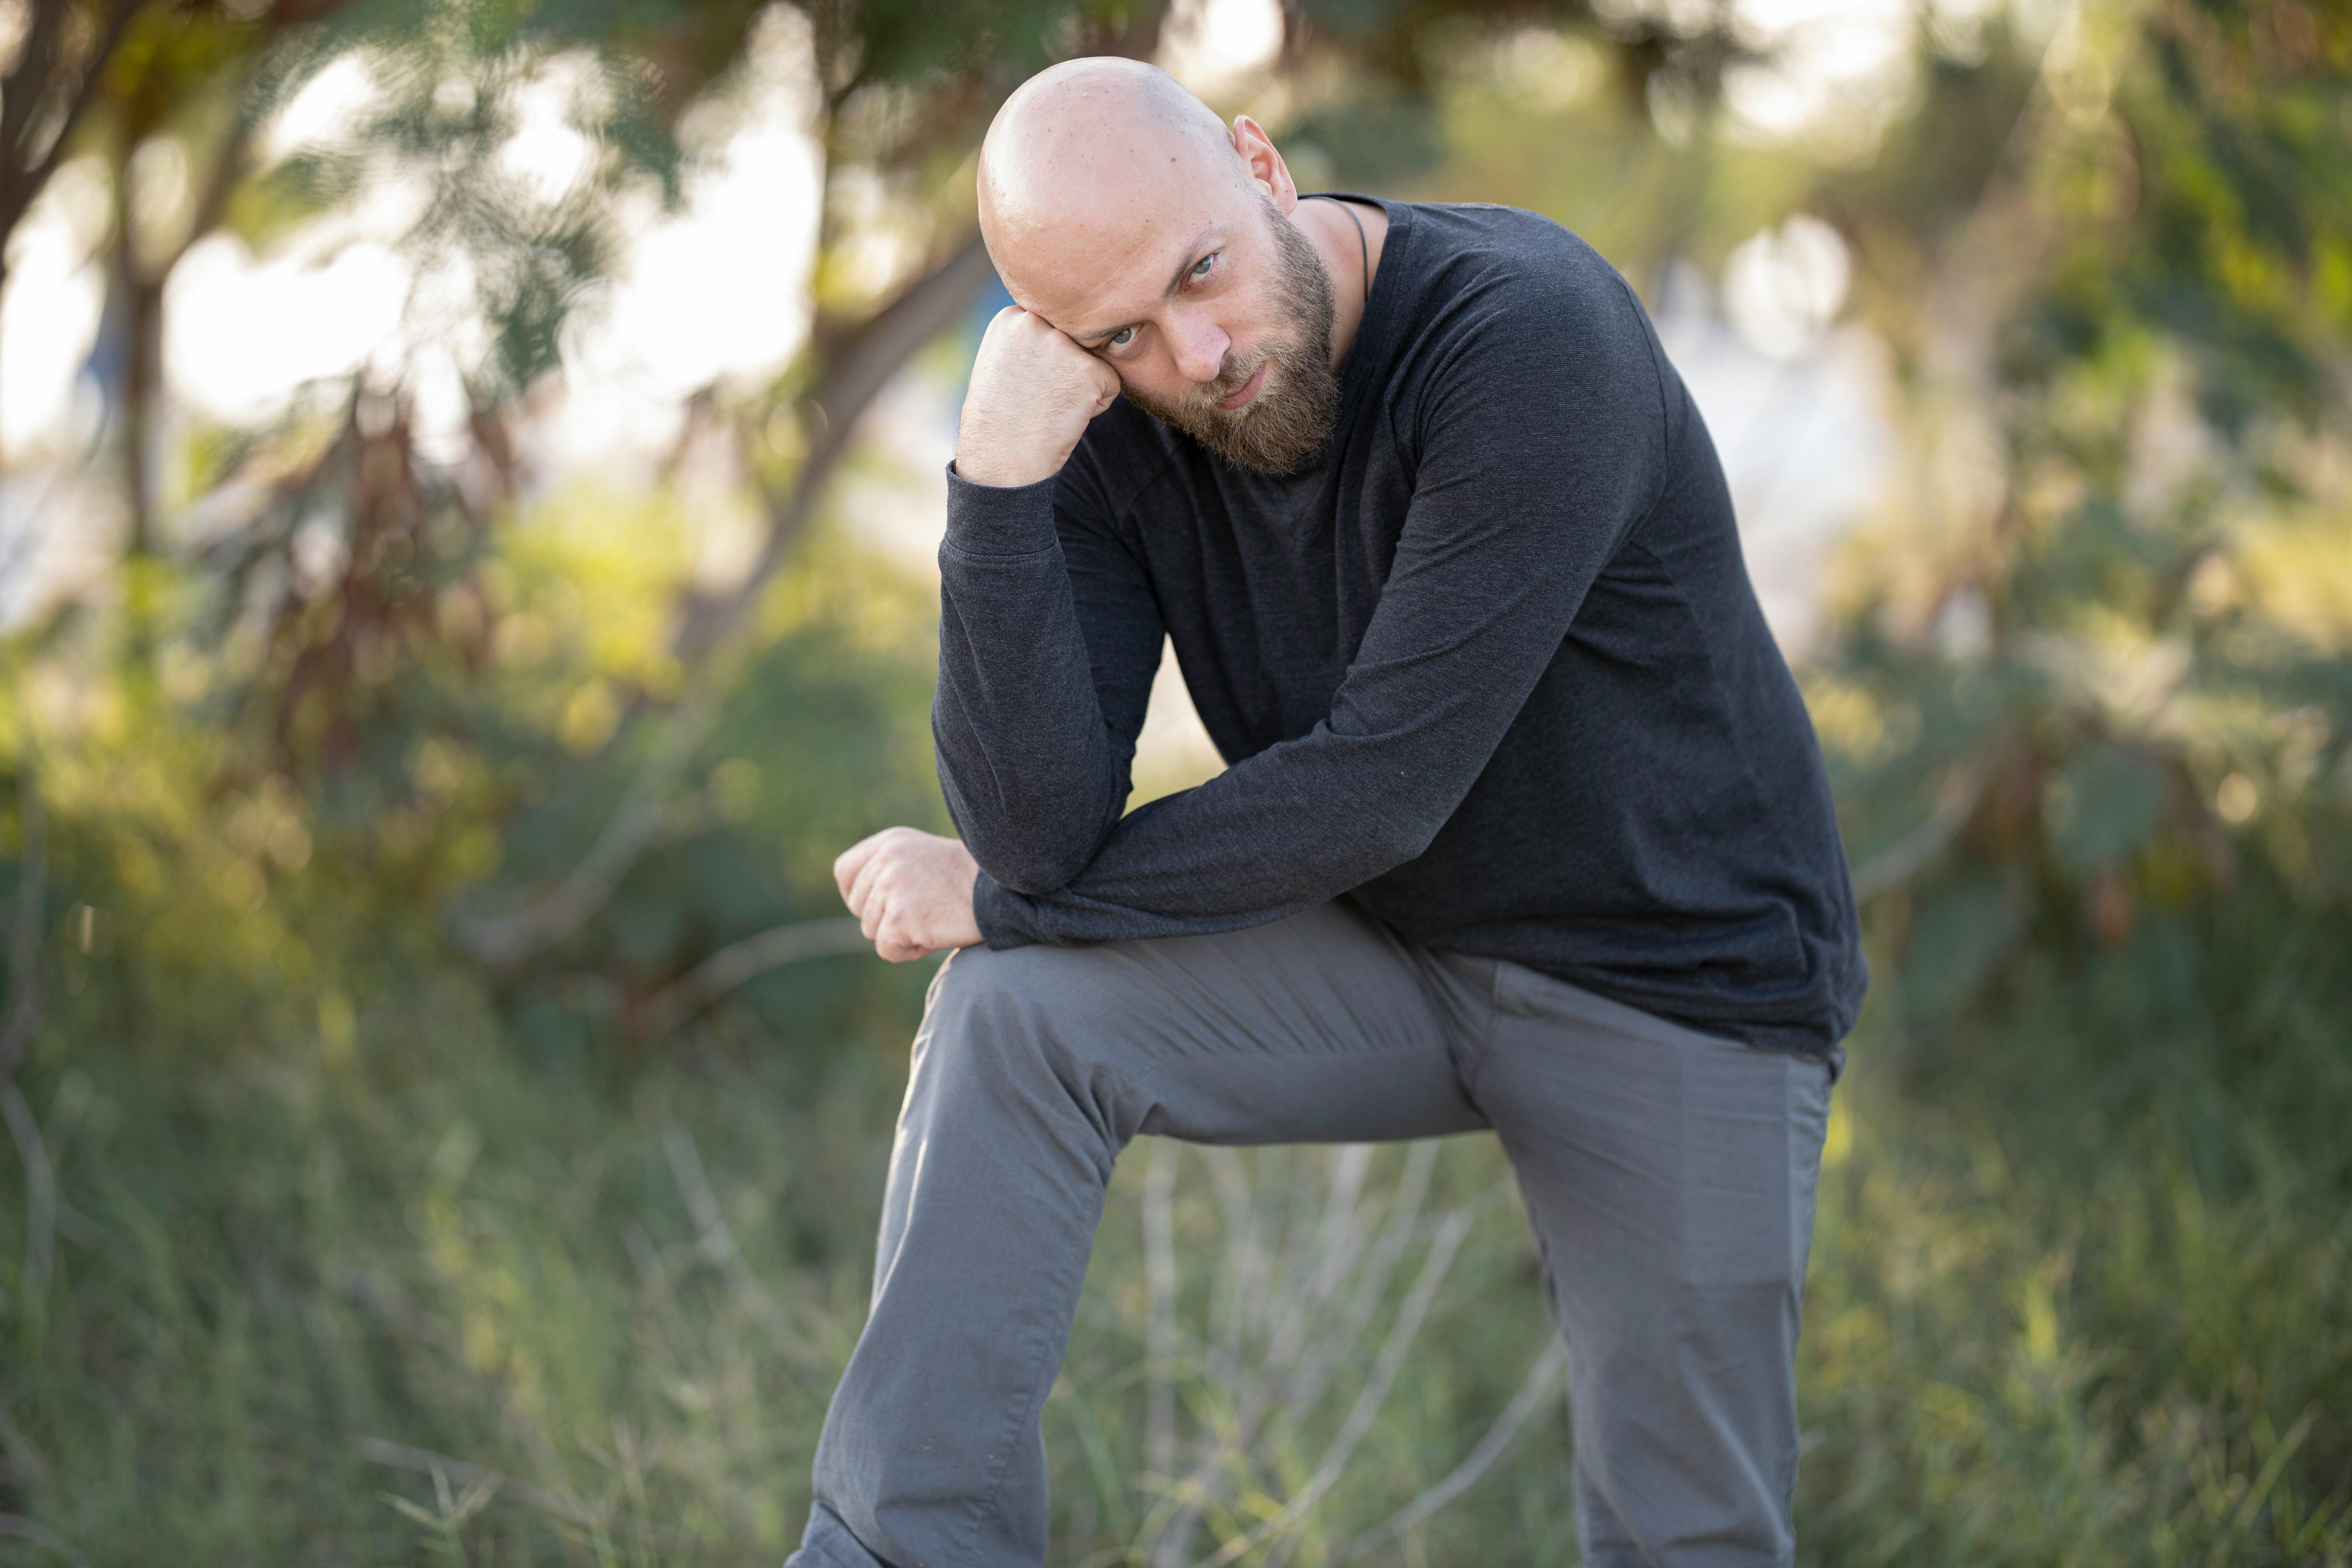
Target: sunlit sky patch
<point x="48" y="317"/>
<point x="241" y="333"/>
<point x="1209" y="44"/>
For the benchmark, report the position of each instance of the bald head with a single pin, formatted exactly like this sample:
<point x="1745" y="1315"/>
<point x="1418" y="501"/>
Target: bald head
<point x="1094" y="154"/>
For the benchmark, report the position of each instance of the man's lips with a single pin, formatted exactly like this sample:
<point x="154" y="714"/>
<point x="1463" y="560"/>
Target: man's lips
<point x="1249" y="389"/>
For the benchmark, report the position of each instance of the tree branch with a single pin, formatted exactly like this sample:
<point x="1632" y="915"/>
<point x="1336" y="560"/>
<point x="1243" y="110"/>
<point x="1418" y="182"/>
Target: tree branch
<point x="1333" y="1347"/>
<point x="1159" y="1331"/>
<point x="24" y="939"/>
<point x="718" y="1244"/>
<point x="1402" y="1331"/>
<point x="502" y="940"/>
<point x="855" y="375"/>
<point x="40" y="1534"/>
<point x="1904" y="859"/>
<point x="745" y="961"/>
<point x="23" y="1019"/>
<point x="40" y="1188"/>
<point x="26" y="84"/>
<point x="1491" y="1448"/>
<point x="24" y="187"/>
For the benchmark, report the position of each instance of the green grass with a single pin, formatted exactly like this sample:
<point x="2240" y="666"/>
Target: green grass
<point x="406" y="1288"/>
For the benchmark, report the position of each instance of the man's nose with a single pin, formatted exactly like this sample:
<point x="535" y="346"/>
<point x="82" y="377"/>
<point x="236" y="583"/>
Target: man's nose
<point x="1199" y="345"/>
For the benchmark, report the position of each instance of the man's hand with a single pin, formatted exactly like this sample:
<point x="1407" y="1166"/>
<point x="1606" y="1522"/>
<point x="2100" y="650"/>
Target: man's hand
<point x="910" y="890"/>
<point x="1033" y="390"/>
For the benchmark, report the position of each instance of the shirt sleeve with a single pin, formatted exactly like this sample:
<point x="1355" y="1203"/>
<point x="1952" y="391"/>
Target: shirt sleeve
<point x="1049" y="638"/>
<point x="1542" y="439"/>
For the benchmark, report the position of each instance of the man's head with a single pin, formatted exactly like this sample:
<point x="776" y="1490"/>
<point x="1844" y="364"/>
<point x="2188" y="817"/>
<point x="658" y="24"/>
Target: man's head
<point x="1118" y="207"/>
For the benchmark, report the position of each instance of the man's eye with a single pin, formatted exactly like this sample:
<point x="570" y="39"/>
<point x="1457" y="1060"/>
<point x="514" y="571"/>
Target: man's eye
<point x="1200" y="267"/>
<point x="1121" y="339"/>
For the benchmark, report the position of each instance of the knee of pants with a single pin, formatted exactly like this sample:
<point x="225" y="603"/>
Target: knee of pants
<point x="1011" y="1008"/>
<point x="1027" y="1028"/>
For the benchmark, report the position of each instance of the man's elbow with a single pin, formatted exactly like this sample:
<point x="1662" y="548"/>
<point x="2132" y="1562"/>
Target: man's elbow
<point x="1032" y="835"/>
<point x="1034" y="868"/>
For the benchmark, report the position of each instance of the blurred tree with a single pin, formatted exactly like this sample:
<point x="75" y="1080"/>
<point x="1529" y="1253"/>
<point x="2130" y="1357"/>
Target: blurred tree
<point x="61" y="54"/>
<point x="177" y="103"/>
<point x="2117" y="274"/>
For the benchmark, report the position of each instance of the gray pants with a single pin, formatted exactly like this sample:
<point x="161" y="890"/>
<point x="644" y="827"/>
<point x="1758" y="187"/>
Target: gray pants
<point x="1669" y="1176"/>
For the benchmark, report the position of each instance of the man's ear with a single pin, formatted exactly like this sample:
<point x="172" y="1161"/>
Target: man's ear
<point x="1266" y="170"/>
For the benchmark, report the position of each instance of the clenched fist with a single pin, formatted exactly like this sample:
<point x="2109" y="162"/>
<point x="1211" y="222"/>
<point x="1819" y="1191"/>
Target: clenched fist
<point x="910" y="890"/>
<point x="1033" y="390"/>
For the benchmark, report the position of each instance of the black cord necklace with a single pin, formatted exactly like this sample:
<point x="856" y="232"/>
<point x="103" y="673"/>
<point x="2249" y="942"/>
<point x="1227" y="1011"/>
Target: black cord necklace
<point x="1363" y="246"/>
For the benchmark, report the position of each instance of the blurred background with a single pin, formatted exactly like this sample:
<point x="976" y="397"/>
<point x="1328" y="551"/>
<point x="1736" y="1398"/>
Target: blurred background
<point x="470" y="471"/>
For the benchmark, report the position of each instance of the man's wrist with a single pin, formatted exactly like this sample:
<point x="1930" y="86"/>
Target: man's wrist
<point x="998" y="520"/>
<point x="997" y="472"/>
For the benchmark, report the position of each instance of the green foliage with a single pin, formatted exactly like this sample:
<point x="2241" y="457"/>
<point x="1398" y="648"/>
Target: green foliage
<point x="405" y="1230"/>
<point x="2064" y="1299"/>
<point x="1373" y="143"/>
<point x="2094" y="1260"/>
<point x="2241" y="120"/>
<point x="2139" y="685"/>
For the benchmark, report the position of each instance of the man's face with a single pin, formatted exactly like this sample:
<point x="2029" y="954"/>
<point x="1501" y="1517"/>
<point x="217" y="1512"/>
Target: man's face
<point x="1218" y="319"/>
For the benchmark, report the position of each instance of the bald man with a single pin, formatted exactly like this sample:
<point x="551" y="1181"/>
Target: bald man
<point x="1525" y="830"/>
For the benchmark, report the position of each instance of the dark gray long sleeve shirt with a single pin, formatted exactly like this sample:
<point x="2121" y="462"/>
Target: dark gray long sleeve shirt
<point x="1493" y="666"/>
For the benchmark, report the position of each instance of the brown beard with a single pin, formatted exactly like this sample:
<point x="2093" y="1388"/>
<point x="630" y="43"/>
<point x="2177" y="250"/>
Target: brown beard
<point x="1285" y="426"/>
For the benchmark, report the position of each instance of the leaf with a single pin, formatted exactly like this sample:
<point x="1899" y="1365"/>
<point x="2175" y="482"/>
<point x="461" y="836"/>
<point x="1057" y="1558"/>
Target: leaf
<point x="1961" y="933"/>
<point x="2107" y="802"/>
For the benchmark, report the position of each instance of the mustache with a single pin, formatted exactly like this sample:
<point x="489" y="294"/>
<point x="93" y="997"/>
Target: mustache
<point x="1232" y="376"/>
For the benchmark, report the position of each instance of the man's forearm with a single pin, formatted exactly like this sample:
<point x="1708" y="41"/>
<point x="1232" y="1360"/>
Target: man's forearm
<point x="1025" y="759"/>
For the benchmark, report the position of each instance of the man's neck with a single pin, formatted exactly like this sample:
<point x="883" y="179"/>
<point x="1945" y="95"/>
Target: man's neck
<point x="1348" y="261"/>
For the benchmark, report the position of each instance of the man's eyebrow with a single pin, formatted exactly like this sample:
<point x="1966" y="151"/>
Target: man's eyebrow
<point x="1191" y="260"/>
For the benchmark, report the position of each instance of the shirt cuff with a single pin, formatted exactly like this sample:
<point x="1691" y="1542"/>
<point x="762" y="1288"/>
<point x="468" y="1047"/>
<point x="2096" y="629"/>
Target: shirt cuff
<point x="998" y="520"/>
<point x="997" y="910"/>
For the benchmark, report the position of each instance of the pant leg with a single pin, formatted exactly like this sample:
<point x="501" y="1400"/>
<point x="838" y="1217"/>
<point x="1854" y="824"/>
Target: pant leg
<point x="1033" y="1068"/>
<point x="1670" y="1178"/>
